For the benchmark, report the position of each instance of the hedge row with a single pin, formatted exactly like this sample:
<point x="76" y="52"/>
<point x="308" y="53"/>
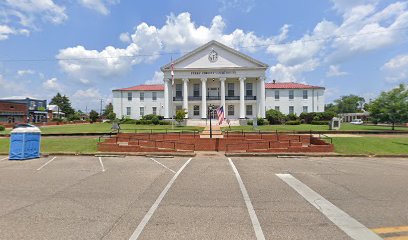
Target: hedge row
<point x="2" y="128"/>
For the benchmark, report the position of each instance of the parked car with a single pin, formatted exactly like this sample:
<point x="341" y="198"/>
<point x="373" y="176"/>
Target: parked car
<point x="357" y="121"/>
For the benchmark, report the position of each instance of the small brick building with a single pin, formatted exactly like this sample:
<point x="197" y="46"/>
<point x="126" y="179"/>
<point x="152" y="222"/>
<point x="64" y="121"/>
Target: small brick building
<point x="12" y="112"/>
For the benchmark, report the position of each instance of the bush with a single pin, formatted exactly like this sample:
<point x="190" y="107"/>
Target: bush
<point x="295" y="122"/>
<point x="307" y="117"/>
<point x="261" y="121"/>
<point x="320" y="122"/>
<point x="57" y="120"/>
<point x="162" y="122"/>
<point x="250" y="122"/>
<point x="155" y="120"/>
<point x="152" y="116"/>
<point x="292" y="117"/>
<point x="128" y="121"/>
<point x="275" y="117"/>
<point x="2" y="128"/>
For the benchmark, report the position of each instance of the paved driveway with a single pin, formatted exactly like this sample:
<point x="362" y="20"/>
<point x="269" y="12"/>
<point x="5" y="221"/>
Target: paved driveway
<point x="205" y="197"/>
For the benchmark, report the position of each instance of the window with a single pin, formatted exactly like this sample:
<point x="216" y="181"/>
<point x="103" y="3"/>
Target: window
<point x="249" y="89"/>
<point x="32" y="105"/>
<point x="249" y="110"/>
<point x="305" y="109"/>
<point x="154" y="96"/>
<point x="141" y="96"/>
<point x="129" y="96"/>
<point x="141" y="111"/>
<point x="179" y="91"/>
<point x="128" y="111"/>
<point x="154" y="110"/>
<point x="196" y="111"/>
<point x="196" y="88"/>
<point x="305" y="96"/>
<point x="277" y="108"/>
<point x="276" y="94"/>
<point x="291" y="109"/>
<point x="231" y="90"/>
<point x="231" y="110"/>
<point x="291" y="94"/>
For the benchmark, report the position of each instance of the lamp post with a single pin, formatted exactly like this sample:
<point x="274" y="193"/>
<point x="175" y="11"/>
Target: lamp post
<point x="210" y="109"/>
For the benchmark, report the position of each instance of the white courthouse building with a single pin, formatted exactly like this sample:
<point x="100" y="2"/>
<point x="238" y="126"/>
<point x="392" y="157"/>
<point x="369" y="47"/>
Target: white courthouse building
<point x="215" y="74"/>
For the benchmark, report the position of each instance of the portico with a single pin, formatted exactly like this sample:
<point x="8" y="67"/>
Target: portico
<point x="218" y="75"/>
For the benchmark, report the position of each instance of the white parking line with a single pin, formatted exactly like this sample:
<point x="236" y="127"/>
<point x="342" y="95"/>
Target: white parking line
<point x="46" y="163"/>
<point x="100" y="160"/>
<point x="162" y="165"/>
<point x="3" y="158"/>
<point x="254" y="219"/>
<point x="345" y="222"/>
<point x="153" y="208"/>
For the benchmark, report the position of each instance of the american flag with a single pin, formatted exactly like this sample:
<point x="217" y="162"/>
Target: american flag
<point x="220" y="113"/>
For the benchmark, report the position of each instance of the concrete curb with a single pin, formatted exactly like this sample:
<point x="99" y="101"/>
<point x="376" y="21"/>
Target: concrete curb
<point x="313" y="155"/>
<point x="121" y="154"/>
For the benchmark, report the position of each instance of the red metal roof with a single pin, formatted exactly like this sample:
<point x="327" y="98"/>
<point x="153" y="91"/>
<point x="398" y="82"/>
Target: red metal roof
<point x="289" y="85"/>
<point x="152" y="87"/>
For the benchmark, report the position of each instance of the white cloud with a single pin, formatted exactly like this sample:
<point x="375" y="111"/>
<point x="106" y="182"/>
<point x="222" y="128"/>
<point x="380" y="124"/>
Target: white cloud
<point x="396" y="69"/>
<point x="25" y="72"/>
<point x="10" y="86"/>
<point x="334" y="71"/>
<point x="100" y="6"/>
<point x="18" y="17"/>
<point x="157" y="78"/>
<point x="90" y="94"/>
<point x="345" y="5"/>
<point x="244" y="6"/>
<point x="283" y="73"/>
<point x="52" y="84"/>
<point x="179" y="33"/>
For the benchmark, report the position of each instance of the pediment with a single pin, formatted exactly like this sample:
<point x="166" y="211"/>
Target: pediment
<point x="215" y="55"/>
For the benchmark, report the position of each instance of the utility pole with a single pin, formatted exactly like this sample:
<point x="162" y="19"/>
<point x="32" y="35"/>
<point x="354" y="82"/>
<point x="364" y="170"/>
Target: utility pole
<point x="100" y="111"/>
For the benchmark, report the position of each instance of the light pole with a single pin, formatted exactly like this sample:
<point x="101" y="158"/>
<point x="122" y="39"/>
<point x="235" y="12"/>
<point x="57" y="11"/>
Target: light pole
<point x="210" y="109"/>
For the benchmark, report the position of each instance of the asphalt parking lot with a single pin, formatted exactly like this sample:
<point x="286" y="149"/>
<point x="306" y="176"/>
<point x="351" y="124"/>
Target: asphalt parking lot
<point x="206" y="197"/>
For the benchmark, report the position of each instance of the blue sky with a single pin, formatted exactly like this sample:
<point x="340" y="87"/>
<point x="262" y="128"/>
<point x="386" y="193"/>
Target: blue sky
<point x="76" y="47"/>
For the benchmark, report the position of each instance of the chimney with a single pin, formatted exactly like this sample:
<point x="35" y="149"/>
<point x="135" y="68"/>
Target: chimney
<point x="273" y="81"/>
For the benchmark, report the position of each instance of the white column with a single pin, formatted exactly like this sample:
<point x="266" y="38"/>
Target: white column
<point x="203" y="97"/>
<point x="185" y="95"/>
<point x="242" y="97"/>
<point x="262" y="96"/>
<point x="222" y="89"/>
<point x="166" y="98"/>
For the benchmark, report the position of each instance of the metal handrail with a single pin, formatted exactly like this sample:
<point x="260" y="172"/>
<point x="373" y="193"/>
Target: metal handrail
<point x="155" y="141"/>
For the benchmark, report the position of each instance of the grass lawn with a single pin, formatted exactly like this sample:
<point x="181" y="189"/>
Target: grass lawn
<point x="106" y="128"/>
<point x="308" y="127"/>
<point x="55" y="145"/>
<point x="371" y="145"/>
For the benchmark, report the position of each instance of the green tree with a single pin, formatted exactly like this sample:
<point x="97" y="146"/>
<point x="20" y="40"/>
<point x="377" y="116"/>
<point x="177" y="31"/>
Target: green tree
<point x="275" y="117"/>
<point x="180" y="115"/>
<point x="349" y="104"/>
<point x="108" y="110"/>
<point x="93" y="115"/>
<point x="63" y="103"/>
<point x="391" y="106"/>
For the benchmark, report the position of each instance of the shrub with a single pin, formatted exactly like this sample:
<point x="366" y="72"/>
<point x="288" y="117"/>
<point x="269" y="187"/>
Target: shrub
<point x="307" y="117"/>
<point x="320" y="122"/>
<point x="2" y="128"/>
<point x="155" y="120"/>
<point x="128" y="121"/>
<point x="180" y="115"/>
<point x="57" y="120"/>
<point x="292" y="117"/>
<point x="295" y="122"/>
<point x="250" y="122"/>
<point x="162" y="122"/>
<point x="274" y="116"/>
<point x="261" y="121"/>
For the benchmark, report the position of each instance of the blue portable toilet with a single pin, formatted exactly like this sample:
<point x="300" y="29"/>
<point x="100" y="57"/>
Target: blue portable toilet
<point x="25" y="143"/>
